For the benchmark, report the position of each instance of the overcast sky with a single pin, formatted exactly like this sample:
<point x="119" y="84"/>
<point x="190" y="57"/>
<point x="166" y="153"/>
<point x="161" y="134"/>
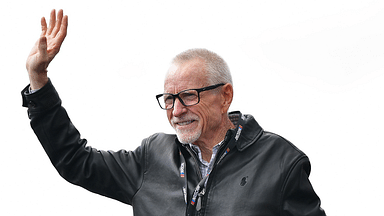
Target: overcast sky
<point x="311" y="71"/>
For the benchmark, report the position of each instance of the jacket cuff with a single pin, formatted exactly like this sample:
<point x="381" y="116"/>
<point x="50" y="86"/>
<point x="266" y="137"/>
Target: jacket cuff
<point x="41" y="100"/>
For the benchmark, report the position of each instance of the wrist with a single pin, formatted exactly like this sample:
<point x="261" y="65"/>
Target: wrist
<point x="38" y="80"/>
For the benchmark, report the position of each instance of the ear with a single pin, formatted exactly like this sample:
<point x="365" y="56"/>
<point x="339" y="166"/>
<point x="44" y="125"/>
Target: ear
<point x="227" y="94"/>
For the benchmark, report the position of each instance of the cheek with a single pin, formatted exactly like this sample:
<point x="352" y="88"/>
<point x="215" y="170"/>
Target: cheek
<point x="206" y="115"/>
<point x="169" y="115"/>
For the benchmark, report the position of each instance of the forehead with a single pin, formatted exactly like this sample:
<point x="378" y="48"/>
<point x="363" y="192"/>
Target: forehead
<point x="191" y="74"/>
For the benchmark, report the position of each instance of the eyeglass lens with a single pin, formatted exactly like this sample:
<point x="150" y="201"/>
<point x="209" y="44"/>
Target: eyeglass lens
<point x="188" y="98"/>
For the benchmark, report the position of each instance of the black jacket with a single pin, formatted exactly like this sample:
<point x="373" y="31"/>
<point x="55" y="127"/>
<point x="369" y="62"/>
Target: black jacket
<point x="264" y="174"/>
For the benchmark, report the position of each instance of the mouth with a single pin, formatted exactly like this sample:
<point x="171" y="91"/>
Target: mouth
<point x="184" y="123"/>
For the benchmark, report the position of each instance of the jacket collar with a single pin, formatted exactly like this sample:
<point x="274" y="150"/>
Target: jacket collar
<point x="250" y="129"/>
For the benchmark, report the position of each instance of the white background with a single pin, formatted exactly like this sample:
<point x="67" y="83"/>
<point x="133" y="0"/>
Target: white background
<point x="311" y="71"/>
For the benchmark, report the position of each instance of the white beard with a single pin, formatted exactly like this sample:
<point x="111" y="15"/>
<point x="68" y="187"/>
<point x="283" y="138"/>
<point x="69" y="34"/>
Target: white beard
<point x="186" y="137"/>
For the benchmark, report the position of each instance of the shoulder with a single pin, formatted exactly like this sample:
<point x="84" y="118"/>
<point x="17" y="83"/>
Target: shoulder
<point x="265" y="142"/>
<point x="276" y="149"/>
<point x="276" y="141"/>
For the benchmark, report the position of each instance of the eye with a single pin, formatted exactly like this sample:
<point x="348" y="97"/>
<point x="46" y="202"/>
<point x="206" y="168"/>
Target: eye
<point x="189" y="96"/>
<point x="168" y="99"/>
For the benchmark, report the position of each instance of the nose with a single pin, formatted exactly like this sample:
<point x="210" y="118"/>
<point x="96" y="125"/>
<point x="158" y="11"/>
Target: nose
<point x="178" y="108"/>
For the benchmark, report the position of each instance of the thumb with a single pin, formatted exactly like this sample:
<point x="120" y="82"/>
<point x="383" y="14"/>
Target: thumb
<point x="42" y="46"/>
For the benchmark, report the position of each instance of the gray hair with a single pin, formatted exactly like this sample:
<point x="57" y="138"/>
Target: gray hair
<point x="217" y="68"/>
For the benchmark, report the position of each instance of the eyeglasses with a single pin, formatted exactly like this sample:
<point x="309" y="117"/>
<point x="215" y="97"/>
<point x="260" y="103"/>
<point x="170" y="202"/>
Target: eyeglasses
<point x="187" y="97"/>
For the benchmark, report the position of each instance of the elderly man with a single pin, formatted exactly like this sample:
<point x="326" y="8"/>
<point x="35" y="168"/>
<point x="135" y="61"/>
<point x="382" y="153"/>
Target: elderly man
<point x="218" y="163"/>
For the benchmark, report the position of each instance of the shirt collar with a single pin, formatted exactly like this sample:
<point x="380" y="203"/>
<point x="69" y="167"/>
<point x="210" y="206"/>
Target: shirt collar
<point x="197" y="149"/>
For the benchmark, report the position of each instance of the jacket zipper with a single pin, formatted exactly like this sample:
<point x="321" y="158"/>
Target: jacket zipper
<point x="219" y="154"/>
<point x="195" y="159"/>
<point x="205" y="189"/>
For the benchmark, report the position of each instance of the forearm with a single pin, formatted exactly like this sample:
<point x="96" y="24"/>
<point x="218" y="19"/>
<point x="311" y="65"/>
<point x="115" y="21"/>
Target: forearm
<point x="56" y="133"/>
<point x="76" y="162"/>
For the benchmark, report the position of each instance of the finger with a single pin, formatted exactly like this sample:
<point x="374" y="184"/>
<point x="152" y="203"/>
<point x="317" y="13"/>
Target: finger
<point x="63" y="31"/>
<point x="58" y="23"/>
<point x="43" y="26"/>
<point x="42" y="46"/>
<point x="52" y="21"/>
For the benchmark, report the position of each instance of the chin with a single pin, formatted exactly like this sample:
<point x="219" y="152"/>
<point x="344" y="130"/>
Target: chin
<point x="188" y="137"/>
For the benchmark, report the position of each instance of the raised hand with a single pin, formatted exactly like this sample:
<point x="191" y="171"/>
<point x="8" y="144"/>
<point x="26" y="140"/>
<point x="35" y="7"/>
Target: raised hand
<point x="46" y="48"/>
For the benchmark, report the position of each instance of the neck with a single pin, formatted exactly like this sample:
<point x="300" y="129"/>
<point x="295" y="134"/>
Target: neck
<point x="206" y="145"/>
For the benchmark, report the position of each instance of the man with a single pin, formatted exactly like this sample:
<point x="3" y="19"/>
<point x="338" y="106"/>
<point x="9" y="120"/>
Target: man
<point x="216" y="164"/>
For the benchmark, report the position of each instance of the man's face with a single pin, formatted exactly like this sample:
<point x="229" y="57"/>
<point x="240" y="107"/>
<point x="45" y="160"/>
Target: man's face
<point x="198" y="122"/>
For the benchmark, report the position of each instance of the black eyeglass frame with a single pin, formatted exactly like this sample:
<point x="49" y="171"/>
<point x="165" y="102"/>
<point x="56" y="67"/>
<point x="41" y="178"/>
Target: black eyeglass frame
<point x="182" y="102"/>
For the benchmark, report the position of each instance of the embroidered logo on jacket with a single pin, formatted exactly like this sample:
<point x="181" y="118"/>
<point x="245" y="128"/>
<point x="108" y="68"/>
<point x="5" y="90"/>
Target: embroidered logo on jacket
<point x="238" y="132"/>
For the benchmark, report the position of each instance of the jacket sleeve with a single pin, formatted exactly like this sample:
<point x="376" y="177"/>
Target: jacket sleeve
<point x="117" y="175"/>
<point x="298" y="196"/>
